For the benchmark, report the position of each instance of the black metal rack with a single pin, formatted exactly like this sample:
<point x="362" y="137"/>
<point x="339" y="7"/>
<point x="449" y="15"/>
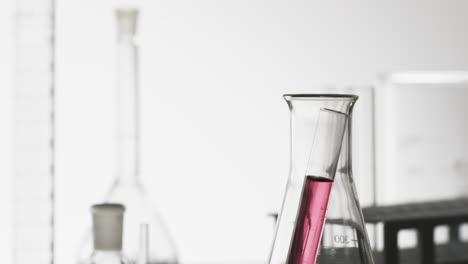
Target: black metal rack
<point x="423" y="217"/>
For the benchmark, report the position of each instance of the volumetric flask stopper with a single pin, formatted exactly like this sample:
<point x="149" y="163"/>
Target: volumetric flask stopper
<point x="320" y="220"/>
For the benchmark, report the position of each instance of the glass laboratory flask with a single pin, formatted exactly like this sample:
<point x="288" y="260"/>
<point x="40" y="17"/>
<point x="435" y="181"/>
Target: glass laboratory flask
<point x="331" y="229"/>
<point x="127" y="189"/>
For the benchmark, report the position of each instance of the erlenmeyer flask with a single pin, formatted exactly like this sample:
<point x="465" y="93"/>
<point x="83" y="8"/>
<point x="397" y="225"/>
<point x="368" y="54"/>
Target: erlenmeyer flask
<point x="343" y="234"/>
<point x="127" y="188"/>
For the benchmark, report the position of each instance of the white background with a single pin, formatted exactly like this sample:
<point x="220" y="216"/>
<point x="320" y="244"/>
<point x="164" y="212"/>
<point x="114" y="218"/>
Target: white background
<point x="6" y="41"/>
<point x="214" y="126"/>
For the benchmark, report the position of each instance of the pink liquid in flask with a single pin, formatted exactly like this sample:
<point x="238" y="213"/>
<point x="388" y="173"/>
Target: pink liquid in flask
<point x="310" y="220"/>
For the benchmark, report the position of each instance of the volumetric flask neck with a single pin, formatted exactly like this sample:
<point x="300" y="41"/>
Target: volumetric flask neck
<point x="318" y="141"/>
<point x="127" y="98"/>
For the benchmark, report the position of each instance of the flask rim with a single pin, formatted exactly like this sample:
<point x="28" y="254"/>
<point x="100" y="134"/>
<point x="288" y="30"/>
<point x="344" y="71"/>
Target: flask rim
<point x="318" y="96"/>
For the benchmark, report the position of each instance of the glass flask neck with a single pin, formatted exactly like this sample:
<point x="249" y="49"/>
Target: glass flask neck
<point x="304" y="110"/>
<point x="127" y="85"/>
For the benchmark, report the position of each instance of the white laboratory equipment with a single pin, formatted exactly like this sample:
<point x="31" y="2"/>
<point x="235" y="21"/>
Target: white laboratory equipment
<point x="127" y="188"/>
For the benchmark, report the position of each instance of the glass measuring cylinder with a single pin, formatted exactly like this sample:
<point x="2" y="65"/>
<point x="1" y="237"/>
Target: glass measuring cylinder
<point x="33" y="132"/>
<point x="343" y="236"/>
